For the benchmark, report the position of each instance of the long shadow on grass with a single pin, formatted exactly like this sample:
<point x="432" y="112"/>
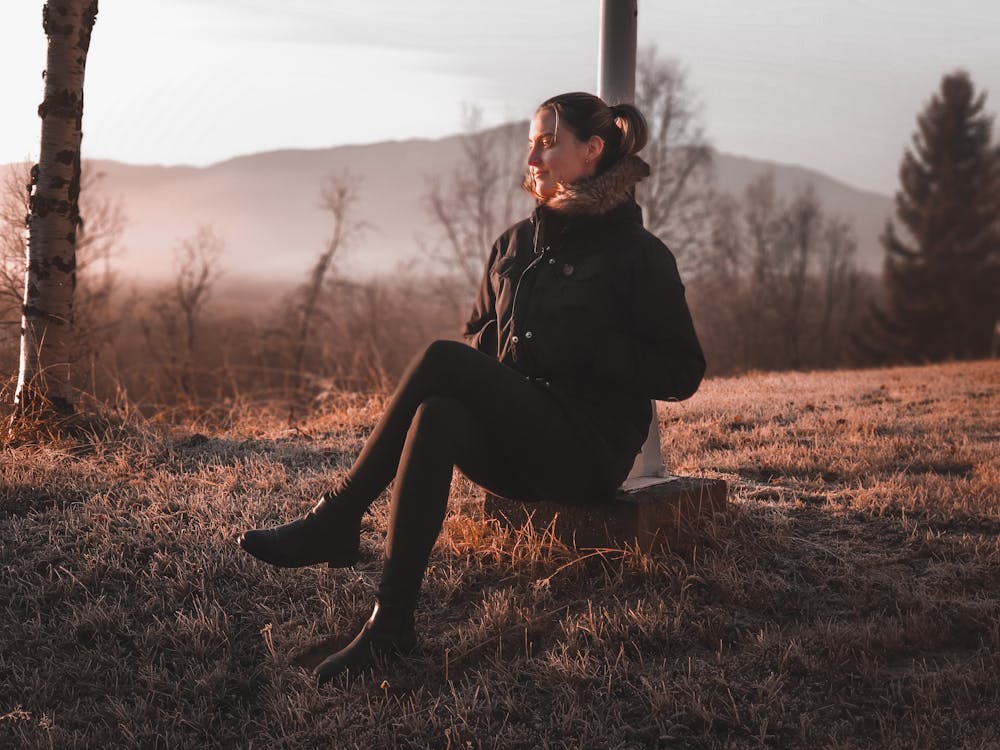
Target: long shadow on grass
<point x="197" y="451"/>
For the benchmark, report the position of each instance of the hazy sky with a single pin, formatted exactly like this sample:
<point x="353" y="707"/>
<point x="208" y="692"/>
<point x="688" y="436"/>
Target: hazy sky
<point x="830" y="84"/>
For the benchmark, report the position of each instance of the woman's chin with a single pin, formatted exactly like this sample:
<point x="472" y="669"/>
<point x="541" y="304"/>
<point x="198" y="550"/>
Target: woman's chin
<point x="545" y="189"/>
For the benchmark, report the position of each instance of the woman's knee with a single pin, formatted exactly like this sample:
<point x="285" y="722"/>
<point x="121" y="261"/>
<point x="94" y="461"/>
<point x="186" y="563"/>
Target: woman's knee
<point x="445" y="350"/>
<point x="439" y="360"/>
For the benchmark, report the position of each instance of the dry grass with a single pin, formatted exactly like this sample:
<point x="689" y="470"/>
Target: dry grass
<point x="851" y="598"/>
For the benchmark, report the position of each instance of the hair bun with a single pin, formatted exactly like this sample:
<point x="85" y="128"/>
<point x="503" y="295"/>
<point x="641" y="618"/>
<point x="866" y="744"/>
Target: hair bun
<point x="629" y="120"/>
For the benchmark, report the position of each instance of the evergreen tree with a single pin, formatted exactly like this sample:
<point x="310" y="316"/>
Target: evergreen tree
<point x="942" y="274"/>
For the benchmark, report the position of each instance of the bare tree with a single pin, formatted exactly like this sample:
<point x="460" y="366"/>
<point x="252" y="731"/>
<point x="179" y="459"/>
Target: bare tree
<point x="839" y="293"/>
<point x="777" y="286"/>
<point x="677" y="197"/>
<point x="719" y="289"/>
<point x="763" y="225"/>
<point x="14" y="208"/>
<point x="813" y="282"/>
<point x="101" y="225"/>
<point x="339" y="197"/>
<point x="797" y="252"/>
<point x="179" y="309"/>
<point x="50" y="278"/>
<point x="476" y="201"/>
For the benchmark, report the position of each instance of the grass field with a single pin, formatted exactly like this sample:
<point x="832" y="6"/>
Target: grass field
<point x="849" y="598"/>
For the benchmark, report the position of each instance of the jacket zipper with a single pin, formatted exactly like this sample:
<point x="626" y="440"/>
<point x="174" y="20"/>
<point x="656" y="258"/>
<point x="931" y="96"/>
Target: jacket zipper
<point x="535" y="262"/>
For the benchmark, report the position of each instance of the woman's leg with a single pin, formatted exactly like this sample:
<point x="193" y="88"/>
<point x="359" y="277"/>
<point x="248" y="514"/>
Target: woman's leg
<point x="542" y="454"/>
<point x="503" y="432"/>
<point x="525" y="427"/>
<point x="443" y="433"/>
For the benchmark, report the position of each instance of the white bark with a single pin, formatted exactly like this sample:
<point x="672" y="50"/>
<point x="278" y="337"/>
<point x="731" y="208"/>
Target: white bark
<point x="50" y="275"/>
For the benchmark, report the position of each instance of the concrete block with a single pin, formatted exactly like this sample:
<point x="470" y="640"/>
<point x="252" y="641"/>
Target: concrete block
<point x="655" y="513"/>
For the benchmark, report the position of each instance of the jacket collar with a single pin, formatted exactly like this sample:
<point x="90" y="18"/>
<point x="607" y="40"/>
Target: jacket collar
<point x="602" y="193"/>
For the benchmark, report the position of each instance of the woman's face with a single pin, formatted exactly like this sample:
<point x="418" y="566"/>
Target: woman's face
<point x="558" y="157"/>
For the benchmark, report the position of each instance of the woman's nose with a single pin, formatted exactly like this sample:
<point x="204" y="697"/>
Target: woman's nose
<point x="534" y="159"/>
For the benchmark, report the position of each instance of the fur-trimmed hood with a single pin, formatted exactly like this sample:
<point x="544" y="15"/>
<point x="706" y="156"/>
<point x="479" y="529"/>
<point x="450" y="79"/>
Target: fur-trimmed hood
<point x="597" y="195"/>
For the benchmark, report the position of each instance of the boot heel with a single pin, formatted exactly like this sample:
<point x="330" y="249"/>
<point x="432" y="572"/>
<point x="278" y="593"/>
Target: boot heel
<point x="388" y="635"/>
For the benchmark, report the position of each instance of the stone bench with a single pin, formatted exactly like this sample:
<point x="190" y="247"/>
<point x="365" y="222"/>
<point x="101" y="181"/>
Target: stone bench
<point x="652" y="510"/>
<point x="664" y="515"/>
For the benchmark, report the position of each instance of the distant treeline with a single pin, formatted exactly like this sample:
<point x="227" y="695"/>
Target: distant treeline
<point x="772" y="282"/>
<point x="199" y="341"/>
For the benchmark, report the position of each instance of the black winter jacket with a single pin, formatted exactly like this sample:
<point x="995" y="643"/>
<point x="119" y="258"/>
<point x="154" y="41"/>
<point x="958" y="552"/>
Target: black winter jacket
<point x="583" y="300"/>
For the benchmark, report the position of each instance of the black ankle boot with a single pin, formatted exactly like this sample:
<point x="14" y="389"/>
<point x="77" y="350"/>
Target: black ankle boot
<point x="326" y="534"/>
<point x="388" y="634"/>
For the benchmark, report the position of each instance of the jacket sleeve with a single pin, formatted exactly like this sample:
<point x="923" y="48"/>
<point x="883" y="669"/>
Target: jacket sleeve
<point x="667" y="357"/>
<point x="480" y="331"/>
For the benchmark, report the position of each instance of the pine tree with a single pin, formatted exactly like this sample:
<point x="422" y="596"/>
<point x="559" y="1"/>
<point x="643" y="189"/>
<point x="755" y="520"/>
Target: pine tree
<point x="942" y="279"/>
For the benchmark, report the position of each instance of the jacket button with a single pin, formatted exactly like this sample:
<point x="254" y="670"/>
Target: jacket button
<point x="552" y="261"/>
<point x="567" y="270"/>
<point x="514" y="339"/>
<point x="527" y="334"/>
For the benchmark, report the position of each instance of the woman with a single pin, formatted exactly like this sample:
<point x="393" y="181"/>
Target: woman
<point x="579" y="321"/>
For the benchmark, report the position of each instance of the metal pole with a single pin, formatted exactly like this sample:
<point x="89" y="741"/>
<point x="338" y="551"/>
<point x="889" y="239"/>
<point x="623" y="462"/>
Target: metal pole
<point x="616" y="68"/>
<point x="616" y="85"/>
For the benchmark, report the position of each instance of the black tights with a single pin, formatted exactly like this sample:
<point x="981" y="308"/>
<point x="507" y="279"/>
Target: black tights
<point x="456" y="406"/>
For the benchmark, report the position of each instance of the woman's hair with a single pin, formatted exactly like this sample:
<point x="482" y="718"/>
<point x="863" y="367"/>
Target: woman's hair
<point x="621" y="126"/>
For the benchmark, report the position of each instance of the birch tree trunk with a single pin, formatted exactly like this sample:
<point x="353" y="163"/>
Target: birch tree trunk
<point x="50" y="275"/>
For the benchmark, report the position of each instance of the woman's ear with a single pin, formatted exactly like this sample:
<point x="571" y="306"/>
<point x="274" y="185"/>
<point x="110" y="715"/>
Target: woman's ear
<point x="595" y="147"/>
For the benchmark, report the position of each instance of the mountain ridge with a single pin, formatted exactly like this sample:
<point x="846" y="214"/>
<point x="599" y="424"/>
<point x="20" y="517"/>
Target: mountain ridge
<point x="266" y="205"/>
